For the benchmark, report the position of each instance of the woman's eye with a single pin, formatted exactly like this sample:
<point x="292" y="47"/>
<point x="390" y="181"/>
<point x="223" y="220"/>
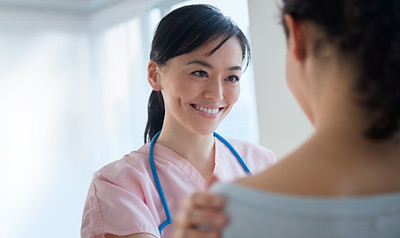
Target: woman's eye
<point x="233" y="78"/>
<point x="201" y="74"/>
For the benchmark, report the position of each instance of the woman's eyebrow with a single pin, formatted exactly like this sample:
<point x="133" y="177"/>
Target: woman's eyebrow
<point x="205" y="64"/>
<point x="200" y="62"/>
<point x="234" y="68"/>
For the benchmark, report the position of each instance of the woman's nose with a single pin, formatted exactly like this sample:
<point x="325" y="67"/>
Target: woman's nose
<point x="214" y="89"/>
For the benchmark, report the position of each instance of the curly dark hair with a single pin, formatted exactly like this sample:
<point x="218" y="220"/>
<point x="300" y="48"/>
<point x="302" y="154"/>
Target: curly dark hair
<point x="369" y="31"/>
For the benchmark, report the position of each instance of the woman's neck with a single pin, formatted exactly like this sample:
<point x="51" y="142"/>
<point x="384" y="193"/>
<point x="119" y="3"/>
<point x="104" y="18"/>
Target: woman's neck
<point x="341" y="121"/>
<point x="350" y="163"/>
<point x="198" y="150"/>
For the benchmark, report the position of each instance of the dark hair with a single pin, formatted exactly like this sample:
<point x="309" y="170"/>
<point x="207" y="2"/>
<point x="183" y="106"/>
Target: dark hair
<point x="369" y="32"/>
<point x="180" y="32"/>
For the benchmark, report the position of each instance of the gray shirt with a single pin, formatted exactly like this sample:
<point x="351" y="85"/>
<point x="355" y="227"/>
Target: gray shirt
<point x="256" y="213"/>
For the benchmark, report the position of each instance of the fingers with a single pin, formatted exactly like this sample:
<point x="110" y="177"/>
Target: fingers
<point x="203" y="200"/>
<point x="200" y="216"/>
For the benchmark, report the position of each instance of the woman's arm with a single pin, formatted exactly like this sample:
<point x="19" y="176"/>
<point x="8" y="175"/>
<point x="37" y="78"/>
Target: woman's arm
<point x="200" y="215"/>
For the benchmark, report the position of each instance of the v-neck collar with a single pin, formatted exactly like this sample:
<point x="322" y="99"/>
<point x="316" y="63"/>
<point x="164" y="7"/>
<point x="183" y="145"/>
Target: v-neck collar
<point x="164" y="153"/>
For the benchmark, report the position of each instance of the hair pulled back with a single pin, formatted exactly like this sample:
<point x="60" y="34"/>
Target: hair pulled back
<point x="180" y="32"/>
<point x="369" y="32"/>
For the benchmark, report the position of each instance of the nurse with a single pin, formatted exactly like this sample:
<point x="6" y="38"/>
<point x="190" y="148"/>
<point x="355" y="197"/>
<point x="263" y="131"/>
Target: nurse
<point x="195" y="67"/>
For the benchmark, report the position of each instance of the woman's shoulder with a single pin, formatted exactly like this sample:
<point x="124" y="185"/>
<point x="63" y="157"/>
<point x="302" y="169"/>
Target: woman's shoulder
<point x="287" y="203"/>
<point x="133" y="164"/>
<point x="269" y="212"/>
<point x="126" y="179"/>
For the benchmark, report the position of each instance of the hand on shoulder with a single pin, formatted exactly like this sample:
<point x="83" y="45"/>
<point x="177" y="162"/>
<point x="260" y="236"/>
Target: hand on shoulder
<point x="200" y="215"/>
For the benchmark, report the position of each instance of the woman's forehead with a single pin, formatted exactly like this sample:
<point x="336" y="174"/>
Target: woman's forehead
<point x="229" y="52"/>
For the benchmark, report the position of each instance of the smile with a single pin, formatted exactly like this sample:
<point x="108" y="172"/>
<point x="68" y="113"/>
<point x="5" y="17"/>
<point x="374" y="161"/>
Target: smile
<point x="207" y="110"/>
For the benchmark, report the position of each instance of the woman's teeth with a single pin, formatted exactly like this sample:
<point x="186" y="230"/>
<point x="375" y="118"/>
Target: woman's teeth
<point x="208" y="110"/>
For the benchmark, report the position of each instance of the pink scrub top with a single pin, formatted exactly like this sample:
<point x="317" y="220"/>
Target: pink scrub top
<point x="123" y="199"/>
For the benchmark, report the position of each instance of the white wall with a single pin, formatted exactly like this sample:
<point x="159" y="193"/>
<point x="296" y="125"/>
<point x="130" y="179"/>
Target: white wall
<point x="282" y="124"/>
<point x="44" y="122"/>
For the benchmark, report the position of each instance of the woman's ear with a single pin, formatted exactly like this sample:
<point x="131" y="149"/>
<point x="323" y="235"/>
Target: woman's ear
<point x="296" y="37"/>
<point x="153" y="75"/>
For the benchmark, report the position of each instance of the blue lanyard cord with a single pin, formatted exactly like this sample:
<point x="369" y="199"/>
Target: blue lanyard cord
<point x="158" y="185"/>
<point x="235" y="153"/>
<point x="157" y="180"/>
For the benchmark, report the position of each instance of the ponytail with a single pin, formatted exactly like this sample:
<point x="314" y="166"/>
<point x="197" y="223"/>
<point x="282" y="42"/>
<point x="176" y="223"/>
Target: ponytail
<point x="155" y="113"/>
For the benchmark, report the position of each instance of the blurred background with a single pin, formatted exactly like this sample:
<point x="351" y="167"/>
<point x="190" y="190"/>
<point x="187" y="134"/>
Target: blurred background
<point x="73" y="96"/>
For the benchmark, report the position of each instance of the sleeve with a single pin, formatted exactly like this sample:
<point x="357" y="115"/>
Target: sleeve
<point x="113" y="209"/>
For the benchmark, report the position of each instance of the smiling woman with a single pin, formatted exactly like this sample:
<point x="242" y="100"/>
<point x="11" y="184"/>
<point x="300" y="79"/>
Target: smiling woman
<point x="201" y="83"/>
<point x="194" y="69"/>
<point x="244" y="115"/>
<point x="72" y="98"/>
